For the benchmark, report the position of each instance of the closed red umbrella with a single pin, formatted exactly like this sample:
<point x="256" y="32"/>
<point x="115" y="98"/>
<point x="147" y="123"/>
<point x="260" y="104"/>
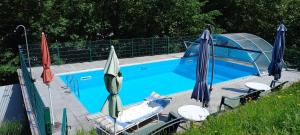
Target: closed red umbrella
<point x="46" y="61"/>
<point x="47" y="75"/>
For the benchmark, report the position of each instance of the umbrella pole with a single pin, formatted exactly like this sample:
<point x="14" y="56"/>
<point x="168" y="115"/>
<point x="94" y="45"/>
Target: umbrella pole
<point x="115" y="126"/>
<point x="50" y="97"/>
<point x="202" y="98"/>
<point x="198" y="93"/>
<point x="212" y="66"/>
<point x="273" y="82"/>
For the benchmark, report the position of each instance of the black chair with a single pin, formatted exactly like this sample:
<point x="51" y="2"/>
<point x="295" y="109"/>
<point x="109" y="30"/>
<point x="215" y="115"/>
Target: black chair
<point x="160" y="127"/>
<point x="279" y="86"/>
<point x="233" y="102"/>
<point x="169" y="127"/>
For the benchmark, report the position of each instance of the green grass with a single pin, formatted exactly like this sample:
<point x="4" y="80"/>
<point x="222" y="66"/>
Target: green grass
<point x="15" y="128"/>
<point x="82" y="132"/>
<point x="11" y="128"/>
<point x="277" y="113"/>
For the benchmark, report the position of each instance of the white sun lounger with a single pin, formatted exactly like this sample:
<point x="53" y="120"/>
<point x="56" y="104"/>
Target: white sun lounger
<point x="129" y="118"/>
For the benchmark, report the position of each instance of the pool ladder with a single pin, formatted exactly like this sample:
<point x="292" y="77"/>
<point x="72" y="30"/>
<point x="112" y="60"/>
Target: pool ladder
<point x="73" y="83"/>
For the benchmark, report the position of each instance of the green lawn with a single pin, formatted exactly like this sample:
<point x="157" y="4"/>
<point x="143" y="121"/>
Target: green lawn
<point x="277" y="113"/>
<point x="11" y="128"/>
<point x="82" y="132"/>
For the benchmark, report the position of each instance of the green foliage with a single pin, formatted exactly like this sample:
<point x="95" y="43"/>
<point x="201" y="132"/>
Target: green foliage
<point x="56" y="60"/>
<point x="277" y="113"/>
<point x="91" y="132"/>
<point x="171" y="17"/>
<point x="8" y="67"/>
<point x="261" y="17"/>
<point x="186" y="19"/>
<point x="175" y="47"/>
<point x="89" y="20"/>
<point x="67" y="20"/>
<point x="11" y="128"/>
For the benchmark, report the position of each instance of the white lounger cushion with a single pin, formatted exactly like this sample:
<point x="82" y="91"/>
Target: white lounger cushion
<point x="130" y="116"/>
<point x="140" y="112"/>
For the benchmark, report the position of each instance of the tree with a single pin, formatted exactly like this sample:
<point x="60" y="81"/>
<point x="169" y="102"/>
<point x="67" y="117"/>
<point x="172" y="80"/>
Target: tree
<point x="165" y="18"/>
<point x="261" y="17"/>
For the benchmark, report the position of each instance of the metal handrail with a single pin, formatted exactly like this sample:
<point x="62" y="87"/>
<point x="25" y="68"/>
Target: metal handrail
<point x="185" y="44"/>
<point x="78" y="91"/>
<point x="67" y="84"/>
<point x="26" y="42"/>
<point x="72" y="82"/>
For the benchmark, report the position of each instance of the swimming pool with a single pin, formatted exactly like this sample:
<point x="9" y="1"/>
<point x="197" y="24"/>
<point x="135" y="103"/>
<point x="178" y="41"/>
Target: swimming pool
<point x="164" y="77"/>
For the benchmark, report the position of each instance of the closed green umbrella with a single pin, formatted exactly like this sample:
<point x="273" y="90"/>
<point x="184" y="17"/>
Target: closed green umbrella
<point x="113" y="81"/>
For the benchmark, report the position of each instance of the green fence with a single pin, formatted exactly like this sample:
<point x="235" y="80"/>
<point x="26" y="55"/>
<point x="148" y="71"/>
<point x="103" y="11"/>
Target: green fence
<point x="84" y="51"/>
<point x="40" y="111"/>
<point x="64" y="123"/>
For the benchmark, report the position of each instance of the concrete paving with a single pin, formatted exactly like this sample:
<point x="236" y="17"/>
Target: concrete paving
<point x="77" y="113"/>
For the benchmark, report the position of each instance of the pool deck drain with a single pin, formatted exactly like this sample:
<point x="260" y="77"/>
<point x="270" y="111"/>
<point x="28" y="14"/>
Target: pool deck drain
<point x="77" y="113"/>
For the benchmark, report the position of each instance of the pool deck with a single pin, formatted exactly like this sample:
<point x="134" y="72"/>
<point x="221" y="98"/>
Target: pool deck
<point x="76" y="112"/>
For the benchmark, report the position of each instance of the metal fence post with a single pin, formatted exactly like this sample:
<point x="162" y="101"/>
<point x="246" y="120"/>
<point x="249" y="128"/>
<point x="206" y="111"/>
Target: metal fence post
<point x="47" y="120"/>
<point x="168" y="44"/>
<point x="64" y="125"/>
<point x="90" y="50"/>
<point x="131" y="47"/>
<point x="58" y="55"/>
<point x="152" y="45"/>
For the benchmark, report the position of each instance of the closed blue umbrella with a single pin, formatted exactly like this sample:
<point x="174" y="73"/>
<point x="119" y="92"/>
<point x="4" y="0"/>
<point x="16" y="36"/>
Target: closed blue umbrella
<point x="277" y="63"/>
<point x="201" y="91"/>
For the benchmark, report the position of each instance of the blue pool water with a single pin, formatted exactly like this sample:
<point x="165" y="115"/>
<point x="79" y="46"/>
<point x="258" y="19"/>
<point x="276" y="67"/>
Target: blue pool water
<point x="164" y="77"/>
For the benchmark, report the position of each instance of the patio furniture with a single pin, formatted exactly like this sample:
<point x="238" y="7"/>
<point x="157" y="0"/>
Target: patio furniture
<point x="174" y="114"/>
<point x="252" y="95"/>
<point x="159" y="128"/>
<point x="255" y="86"/>
<point x="279" y="86"/>
<point x="193" y="112"/>
<point x="130" y="117"/>
<point x="265" y="89"/>
<point x="233" y="102"/>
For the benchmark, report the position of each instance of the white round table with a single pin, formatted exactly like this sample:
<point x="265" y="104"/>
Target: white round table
<point x="257" y="86"/>
<point x="193" y="112"/>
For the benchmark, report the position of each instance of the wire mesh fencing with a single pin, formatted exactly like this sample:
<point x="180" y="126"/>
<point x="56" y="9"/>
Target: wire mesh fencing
<point x="86" y="51"/>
